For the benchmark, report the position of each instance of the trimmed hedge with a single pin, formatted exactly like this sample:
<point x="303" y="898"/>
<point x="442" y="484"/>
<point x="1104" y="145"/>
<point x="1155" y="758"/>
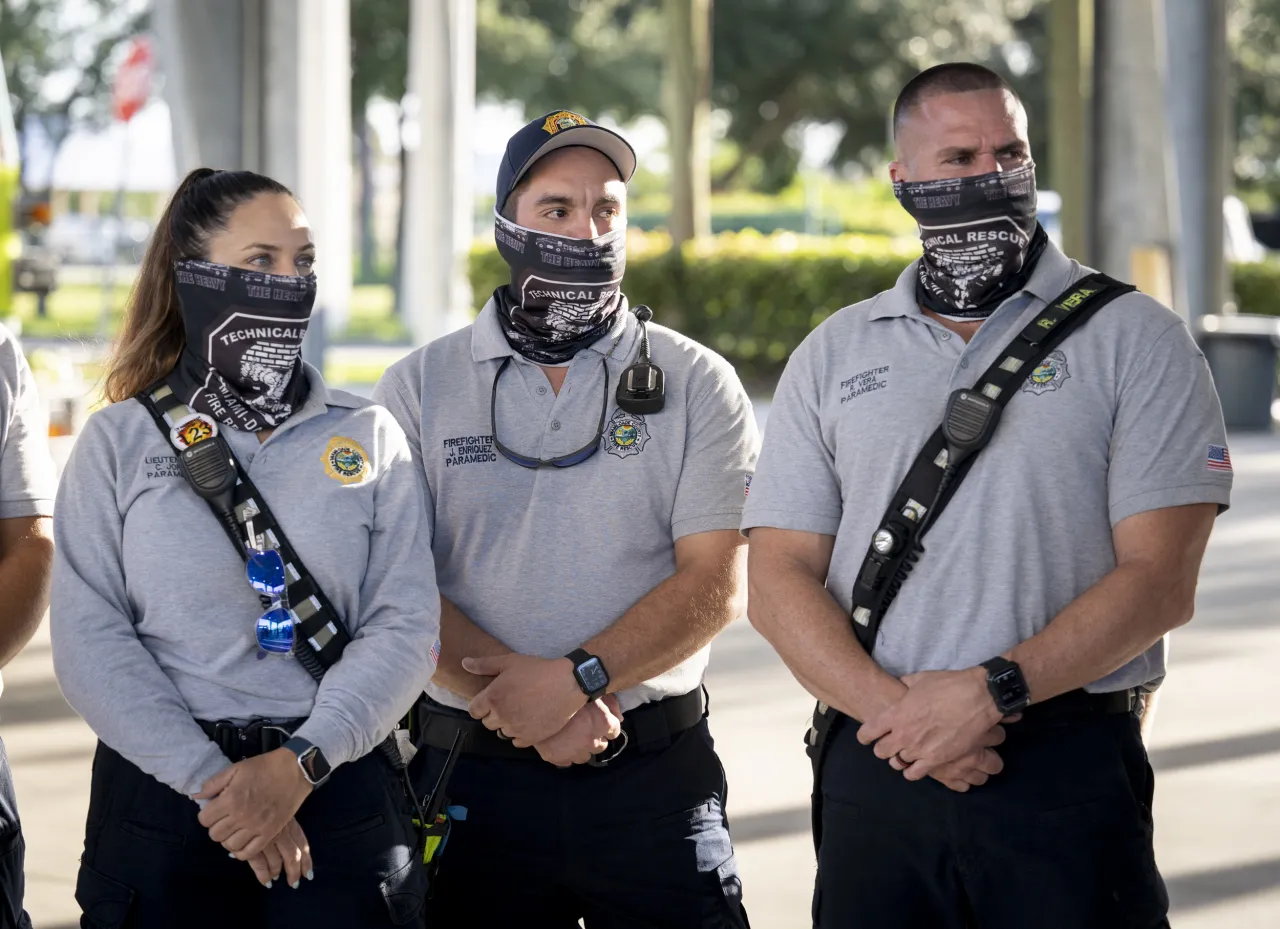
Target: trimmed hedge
<point x="1257" y="287"/>
<point x="753" y="298"/>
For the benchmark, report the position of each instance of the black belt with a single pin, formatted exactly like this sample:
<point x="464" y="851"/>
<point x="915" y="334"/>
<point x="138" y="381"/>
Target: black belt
<point x="1075" y="704"/>
<point x="257" y="738"/>
<point x="648" y="728"/>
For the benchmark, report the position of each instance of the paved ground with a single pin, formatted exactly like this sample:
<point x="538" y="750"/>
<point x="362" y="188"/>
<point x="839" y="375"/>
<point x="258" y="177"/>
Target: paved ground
<point x="1216" y="745"/>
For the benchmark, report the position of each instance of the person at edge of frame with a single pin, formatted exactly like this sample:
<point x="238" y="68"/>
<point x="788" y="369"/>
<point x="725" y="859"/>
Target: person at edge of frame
<point x="229" y="788"/>
<point x="1071" y="549"/>
<point x="587" y="551"/>
<point x="27" y="487"/>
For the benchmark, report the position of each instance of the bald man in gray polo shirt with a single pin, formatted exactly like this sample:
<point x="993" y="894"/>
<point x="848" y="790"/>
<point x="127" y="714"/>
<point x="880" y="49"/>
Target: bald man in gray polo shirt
<point x="27" y="485"/>
<point x="1068" y="552"/>
<point x="577" y="517"/>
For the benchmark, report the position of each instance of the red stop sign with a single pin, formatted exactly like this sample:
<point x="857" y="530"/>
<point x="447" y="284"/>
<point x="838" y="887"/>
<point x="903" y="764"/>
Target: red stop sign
<point x="132" y="87"/>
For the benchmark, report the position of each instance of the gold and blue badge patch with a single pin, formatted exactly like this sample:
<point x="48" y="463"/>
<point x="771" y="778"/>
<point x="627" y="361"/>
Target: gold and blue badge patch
<point x="192" y="430"/>
<point x="562" y="120"/>
<point x="345" y="460"/>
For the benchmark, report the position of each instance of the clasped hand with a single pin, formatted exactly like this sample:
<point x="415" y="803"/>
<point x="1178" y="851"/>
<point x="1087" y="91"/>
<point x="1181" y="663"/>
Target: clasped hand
<point x="536" y="702"/>
<point x="944" y="726"/>
<point x="251" y="811"/>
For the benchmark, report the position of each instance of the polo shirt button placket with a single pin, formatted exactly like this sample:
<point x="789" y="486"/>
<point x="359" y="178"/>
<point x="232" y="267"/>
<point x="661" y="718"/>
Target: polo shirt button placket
<point x="555" y="425"/>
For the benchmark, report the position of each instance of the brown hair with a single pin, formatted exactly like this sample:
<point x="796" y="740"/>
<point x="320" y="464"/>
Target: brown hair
<point x="152" y="336"/>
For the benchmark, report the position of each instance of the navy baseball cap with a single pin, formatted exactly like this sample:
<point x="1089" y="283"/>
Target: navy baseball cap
<point x="559" y="129"/>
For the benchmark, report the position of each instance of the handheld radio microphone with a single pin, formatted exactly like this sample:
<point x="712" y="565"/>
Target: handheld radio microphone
<point x="643" y="385"/>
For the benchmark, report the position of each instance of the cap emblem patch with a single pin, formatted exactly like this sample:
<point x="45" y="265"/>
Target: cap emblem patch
<point x="562" y="120"/>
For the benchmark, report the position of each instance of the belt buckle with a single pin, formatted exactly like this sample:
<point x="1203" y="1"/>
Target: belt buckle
<point x="596" y="761"/>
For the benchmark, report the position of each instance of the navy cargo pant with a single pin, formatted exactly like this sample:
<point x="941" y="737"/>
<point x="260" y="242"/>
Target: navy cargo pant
<point x="149" y="864"/>
<point x="12" y="851"/>
<point x="639" y="844"/>
<point x="1061" y="839"/>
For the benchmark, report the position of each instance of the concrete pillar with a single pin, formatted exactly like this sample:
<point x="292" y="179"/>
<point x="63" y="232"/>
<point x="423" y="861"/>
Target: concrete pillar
<point x="1070" y="93"/>
<point x="1135" y="210"/>
<point x="1198" y="110"/>
<point x="435" y="291"/>
<point x="200" y="52"/>
<point x="265" y="85"/>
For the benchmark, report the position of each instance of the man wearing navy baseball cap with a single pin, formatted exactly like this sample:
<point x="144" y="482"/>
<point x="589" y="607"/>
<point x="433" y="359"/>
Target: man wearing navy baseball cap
<point x="586" y="472"/>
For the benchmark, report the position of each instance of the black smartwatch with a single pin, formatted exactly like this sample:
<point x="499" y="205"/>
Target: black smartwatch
<point x="315" y="767"/>
<point x="589" y="672"/>
<point x="1007" y="685"/>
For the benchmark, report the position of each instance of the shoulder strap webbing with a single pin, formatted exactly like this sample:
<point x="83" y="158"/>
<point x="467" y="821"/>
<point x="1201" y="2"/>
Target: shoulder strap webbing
<point x="880" y="577"/>
<point x="321" y="634"/>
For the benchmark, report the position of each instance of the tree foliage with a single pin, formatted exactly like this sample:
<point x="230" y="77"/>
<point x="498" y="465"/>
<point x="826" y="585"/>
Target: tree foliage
<point x="59" y="60"/>
<point x="598" y="56"/>
<point x="778" y="64"/>
<point x="379" y="51"/>
<point x="1253" y="29"/>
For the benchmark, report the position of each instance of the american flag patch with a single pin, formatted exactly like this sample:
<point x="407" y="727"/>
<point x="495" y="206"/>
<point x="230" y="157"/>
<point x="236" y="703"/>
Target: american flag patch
<point x="435" y="652"/>
<point x="1219" y="459"/>
<point x="746" y="488"/>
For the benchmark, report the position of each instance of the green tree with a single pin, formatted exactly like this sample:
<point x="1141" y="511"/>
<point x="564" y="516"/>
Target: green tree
<point x="598" y="56"/>
<point x="1253" y="31"/>
<point x="777" y="64"/>
<point x="379" y="68"/>
<point x="59" y="61"/>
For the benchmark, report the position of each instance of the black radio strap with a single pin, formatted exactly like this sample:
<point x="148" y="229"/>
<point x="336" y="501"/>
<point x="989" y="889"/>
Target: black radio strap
<point x="321" y="636"/>
<point x="908" y="519"/>
<point x="882" y="575"/>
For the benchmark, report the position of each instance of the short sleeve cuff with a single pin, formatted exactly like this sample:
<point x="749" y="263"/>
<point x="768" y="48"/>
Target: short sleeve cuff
<point x="25" y="509"/>
<point x="1185" y="495"/>
<point x="789" y="519"/>
<point x="712" y="522"/>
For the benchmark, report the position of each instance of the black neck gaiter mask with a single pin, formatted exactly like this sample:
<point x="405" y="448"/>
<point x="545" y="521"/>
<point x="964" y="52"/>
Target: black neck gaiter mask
<point x="564" y="294"/>
<point x="981" y="239"/>
<point x="242" y="363"/>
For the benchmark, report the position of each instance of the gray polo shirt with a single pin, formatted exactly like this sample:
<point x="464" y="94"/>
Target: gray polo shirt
<point x="1122" y="418"/>
<point x="27" y="480"/>
<point x="544" y="560"/>
<point x="152" y="617"/>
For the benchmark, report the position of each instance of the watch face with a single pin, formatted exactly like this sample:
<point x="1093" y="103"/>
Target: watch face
<point x="1009" y="683"/>
<point x="593" y="675"/>
<point x="315" y="764"/>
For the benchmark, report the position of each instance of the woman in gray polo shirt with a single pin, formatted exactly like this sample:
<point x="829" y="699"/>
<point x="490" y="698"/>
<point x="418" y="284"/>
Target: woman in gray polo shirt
<point x="222" y="764"/>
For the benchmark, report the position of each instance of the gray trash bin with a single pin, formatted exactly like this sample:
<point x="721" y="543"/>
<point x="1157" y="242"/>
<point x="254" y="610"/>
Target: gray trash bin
<point x="1242" y="354"/>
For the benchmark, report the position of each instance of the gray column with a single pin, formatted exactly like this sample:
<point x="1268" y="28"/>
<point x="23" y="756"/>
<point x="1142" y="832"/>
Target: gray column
<point x="1198" y="110"/>
<point x="1135" y="211"/>
<point x="265" y="85"/>
<point x="435" y="292"/>
<point x="1070" y="91"/>
<point x="200" y="50"/>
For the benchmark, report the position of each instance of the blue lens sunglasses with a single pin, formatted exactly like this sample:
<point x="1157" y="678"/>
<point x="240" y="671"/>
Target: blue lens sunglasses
<point x="265" y="570"/>
<point x="564" y="461"/>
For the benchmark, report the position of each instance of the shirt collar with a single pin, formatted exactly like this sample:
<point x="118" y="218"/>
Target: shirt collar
<point x="488" y="342"/>
<point x="1052" y="275"/>
<point x="319" y="399"/>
